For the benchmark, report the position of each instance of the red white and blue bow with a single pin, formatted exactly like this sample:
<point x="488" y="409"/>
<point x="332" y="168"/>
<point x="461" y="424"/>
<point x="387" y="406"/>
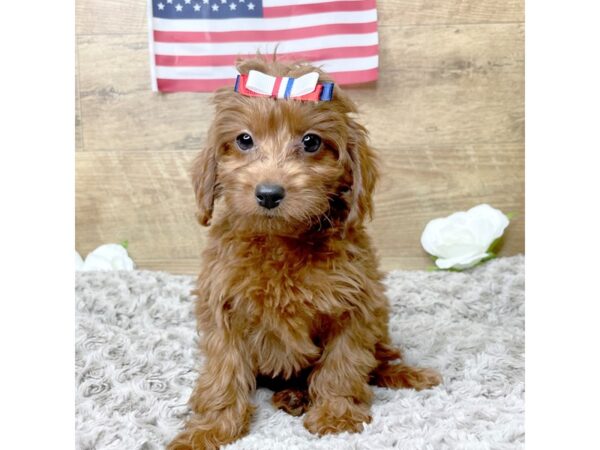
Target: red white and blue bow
<point x="306" y="87"/>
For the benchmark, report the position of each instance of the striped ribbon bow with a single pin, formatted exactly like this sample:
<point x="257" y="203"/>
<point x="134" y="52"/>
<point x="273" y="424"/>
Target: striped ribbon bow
<point x="306" y="87"/>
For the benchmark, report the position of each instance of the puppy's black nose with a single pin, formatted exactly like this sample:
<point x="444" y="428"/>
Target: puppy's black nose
<point x="269" y="195"/>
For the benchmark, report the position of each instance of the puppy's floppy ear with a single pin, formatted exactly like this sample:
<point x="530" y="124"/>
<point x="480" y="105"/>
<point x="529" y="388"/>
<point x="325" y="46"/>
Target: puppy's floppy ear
<point x="365" y="174"/>
<point x="204" y="180"/>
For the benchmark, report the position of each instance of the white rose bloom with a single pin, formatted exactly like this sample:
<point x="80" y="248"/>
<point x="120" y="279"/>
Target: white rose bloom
<point x="463" y="239"/>
<point x="78" y="261"/>
<point x="108" y="257"/>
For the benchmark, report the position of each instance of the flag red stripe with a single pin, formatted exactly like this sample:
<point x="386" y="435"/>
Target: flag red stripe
<point x="357" y="76"/>
<point x="229" y="60"/>
<point x="167" y="85"/>
<point x="315" y="8"/>
<point x="264" y="35"/>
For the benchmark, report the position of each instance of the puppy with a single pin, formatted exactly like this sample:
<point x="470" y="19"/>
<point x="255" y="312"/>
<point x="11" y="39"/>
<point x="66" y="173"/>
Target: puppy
<point x="289" y="290"/>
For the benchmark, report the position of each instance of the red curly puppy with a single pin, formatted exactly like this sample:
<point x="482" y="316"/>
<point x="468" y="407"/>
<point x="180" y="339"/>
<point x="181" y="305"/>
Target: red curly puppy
<point x="289" y="288"/>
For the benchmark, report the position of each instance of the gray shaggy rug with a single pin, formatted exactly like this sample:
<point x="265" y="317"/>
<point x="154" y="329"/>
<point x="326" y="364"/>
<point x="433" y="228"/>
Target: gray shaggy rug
<point x="136" y="363"/>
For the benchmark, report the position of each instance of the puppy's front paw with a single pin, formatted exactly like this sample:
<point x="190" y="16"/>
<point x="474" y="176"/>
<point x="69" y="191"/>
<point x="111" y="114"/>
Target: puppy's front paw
<point x="428" y="378"/>
<point x="404" y="376"/>
<point x="195" y="440"/>
<point x="181" y="442"/>
<point x="337" y="416"/>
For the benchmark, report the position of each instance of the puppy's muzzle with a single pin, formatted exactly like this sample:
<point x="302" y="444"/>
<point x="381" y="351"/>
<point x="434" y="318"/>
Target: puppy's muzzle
<point x="269" y="195"/>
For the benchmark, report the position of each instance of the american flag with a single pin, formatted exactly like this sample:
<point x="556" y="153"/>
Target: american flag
<point x="194" y="43"/>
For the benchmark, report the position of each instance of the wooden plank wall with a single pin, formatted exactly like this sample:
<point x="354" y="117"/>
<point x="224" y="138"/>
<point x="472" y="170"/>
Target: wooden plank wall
<point x="447" y="117"/>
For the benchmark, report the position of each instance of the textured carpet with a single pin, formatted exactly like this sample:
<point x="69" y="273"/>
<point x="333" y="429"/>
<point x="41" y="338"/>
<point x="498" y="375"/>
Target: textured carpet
<point x="136" y="362"/>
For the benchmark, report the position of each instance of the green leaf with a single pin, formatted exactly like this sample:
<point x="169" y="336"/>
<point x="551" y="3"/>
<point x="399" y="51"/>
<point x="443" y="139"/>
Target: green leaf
<point x="495" y="246"/>
<point x="487" y="258"/>
<point x="125" y="244"/>
<point x="511" y="215"/>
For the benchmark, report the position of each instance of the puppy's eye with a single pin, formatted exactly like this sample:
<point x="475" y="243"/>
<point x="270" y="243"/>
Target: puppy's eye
<point x="244" y="142"/>
<point x="311" y="143"/>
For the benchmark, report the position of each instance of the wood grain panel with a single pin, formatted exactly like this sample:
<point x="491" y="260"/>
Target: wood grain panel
<point x="420" y="183"/>
<point x="447" y="117"/>
<point x="447" y="84"/>
<point x="428" y="12"/>
<point x="146" y="198"/>
<point x="438" y="85"/>
<point x="78" y="122"/>
<point x="110" y="17"/>
<point x="129" y="17"/>
<point x="118" y="107"/>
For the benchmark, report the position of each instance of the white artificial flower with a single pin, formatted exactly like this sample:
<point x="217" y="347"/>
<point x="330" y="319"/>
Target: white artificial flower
<point x="78" y="261"/>
<point x="463" y="239"/>
<point x="108" y="257"/>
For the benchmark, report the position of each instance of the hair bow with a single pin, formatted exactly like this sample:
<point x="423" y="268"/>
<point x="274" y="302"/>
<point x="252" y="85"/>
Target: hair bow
<point x="306" y="87"/>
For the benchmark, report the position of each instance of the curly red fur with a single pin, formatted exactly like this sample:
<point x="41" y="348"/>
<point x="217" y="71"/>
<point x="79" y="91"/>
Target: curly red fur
<point x="291" y="293"/>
